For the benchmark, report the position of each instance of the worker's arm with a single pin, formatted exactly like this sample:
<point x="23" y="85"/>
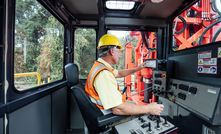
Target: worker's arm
<point x="125" y="72"/>
<point x="127" y="108"/>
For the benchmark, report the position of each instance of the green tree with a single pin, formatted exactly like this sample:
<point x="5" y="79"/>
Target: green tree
<point x="40" y="36"/>
<point x="84" y="50"/>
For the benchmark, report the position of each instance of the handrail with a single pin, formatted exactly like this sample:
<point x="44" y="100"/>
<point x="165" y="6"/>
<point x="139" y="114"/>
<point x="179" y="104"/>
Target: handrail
<point x="27" y="74"/>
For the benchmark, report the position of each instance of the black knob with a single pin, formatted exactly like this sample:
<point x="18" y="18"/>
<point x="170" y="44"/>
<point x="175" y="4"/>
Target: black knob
<point x="160" y="92"/>
<point x="154" y="91"/>
<point x="165" y="122"/>
<point x="158" y="123"/>
<point x="139" y="118"/>
<point x="149" y="129"/>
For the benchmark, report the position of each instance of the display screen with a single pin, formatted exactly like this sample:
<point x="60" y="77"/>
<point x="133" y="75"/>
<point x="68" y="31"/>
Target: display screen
<point x="151" y="63"/>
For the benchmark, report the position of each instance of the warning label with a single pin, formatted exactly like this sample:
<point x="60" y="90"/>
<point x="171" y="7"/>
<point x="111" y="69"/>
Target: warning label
<point x="206" y="64"/>
<point x="207" y="61"/>
<point x="207" y="69"/>
<point x="219" y="52"/>
<point x="206" y="54"/>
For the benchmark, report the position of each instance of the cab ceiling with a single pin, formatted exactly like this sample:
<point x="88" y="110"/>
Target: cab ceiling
<point x="146" y="8"/>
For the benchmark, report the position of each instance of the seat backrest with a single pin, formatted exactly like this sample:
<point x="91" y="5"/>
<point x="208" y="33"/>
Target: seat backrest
<point x="89" y="110"/>
<point x="72" y="74"/>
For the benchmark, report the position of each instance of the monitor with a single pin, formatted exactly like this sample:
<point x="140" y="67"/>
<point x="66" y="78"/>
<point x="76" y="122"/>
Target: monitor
<point x="151" y="63"/>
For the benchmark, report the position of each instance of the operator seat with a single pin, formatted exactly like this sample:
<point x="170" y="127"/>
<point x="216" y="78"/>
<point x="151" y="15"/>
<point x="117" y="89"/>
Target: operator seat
<point x="94" y="119"/>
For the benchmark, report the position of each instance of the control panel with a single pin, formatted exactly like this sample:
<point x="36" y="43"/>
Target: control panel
<point x="146" y="124"/>
<point x="159" y="82"/>
<point x="198" y="98"/>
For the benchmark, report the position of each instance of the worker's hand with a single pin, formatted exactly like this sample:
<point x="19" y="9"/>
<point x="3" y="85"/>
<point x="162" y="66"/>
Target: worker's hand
<point x="155" y="109"/>
<point x="141" y="66"/>
<point x="156" y="1"/>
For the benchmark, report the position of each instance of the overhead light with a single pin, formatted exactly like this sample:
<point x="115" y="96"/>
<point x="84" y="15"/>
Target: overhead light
<point x="156" y="1"/>
<point x="120" y="5"/>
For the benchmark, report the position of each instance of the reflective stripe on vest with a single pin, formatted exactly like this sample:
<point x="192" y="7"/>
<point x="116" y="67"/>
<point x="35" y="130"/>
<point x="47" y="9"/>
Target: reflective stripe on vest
<point x="98" y="102"/>
<point x="89" y="87"/>
<point x="95" y="101"/>
<point x="94" y="71"/>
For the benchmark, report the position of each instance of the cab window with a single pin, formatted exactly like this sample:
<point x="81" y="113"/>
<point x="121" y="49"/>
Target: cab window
<point x="197" y="26"/>
<point x="38" y="46"/>
<point x="84" y="50"/>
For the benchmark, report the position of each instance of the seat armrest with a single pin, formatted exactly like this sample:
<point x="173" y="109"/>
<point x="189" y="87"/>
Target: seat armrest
<point x="109" y="118"/>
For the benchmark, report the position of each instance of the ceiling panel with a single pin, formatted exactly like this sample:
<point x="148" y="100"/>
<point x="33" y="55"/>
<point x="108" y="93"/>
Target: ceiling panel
<point x="81" y="6"/>
<point x="161" y="10"/>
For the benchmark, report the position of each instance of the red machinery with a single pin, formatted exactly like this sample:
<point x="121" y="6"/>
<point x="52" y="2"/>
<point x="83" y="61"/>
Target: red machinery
<point x="142" y="51"/>
<point x="197" y="26"/>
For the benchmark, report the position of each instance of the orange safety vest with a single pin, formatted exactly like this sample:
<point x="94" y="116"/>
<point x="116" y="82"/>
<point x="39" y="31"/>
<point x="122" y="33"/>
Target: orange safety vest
<point x="89" y="86"/>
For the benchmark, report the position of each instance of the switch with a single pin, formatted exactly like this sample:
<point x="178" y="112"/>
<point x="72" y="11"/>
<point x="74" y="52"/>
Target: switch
<point x="163" y="76"/>
<point x="139" y="131"/>
<point x="160" y="75"/>
<point x="132" y="131"/>
<point x="144" y="125"/>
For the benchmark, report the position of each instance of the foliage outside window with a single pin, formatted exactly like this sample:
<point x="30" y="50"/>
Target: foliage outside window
<point x="198" y="25"/>
<point x="38" y="47"/>
<point x="84" y="50"/>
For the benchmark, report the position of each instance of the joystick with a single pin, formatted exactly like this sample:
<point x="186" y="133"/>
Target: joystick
<point x="158" y="125"/>
<point x="165" y="124"/>
<point x="149" y="130"/>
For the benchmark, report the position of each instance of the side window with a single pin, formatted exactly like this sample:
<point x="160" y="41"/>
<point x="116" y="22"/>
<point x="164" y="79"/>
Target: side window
<point x="38" y="46"/>
<point x="198" y="25"/>
<point x="84" y="50"/>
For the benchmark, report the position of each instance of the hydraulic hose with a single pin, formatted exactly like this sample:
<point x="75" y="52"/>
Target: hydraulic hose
<point x="184" y="25"/>
<point x="216" y="35"/>
<point x="144" y="39"/>
<point x="204" y="32"/>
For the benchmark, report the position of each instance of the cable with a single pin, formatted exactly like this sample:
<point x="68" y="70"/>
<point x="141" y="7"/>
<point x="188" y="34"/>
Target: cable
<point x="209" y="20"/>
<point x="216" y="35"/>
<point x="203" y="23"/>
<point x="204" y="32"/>
<point x="144" y="39"/>
<point x="184" y="25"/>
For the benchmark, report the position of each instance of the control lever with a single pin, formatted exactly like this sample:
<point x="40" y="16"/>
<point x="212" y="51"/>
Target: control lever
<point x="165" y="122"/>
<point x="149" y="130"/>
<point x="158" y="125"/>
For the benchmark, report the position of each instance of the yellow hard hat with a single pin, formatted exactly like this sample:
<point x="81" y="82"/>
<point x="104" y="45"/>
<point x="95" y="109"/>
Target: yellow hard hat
<point x="109" y="40"/>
